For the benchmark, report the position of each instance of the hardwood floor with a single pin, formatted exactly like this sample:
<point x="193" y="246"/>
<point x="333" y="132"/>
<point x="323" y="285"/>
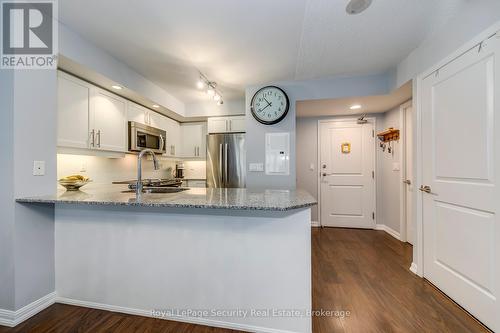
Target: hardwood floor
<point x="361" y="272"/>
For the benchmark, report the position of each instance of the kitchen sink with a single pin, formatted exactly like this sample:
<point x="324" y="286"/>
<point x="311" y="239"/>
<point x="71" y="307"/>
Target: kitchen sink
<point x="159" y="190"/>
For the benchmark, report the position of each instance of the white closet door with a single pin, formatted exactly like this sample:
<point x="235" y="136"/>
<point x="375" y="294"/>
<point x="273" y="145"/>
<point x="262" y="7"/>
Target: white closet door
<point x="461" y="164"/>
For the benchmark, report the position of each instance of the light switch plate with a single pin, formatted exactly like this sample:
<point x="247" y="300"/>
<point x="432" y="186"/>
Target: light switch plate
<point x="38" y="168"/>
<point x="256" y="167"/>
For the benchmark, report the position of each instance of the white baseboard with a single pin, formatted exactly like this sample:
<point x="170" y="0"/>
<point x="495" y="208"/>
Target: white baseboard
<point x="389" y="230"/>
<point x="190" y="320"/>
<point x="413" y="268"/>
<point x="14" y="318"/>
<point x="315" y="224"/>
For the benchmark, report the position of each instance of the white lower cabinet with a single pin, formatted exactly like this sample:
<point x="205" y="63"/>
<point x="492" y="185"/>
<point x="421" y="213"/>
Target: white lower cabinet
<point x="90" y="117"/>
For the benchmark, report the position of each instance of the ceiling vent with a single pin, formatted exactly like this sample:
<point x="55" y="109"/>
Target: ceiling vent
<point x="357" y="6"/>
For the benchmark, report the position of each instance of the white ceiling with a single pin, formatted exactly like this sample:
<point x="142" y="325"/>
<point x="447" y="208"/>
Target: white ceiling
<point x="341" y="106"/>
<point x="240" y="43"/>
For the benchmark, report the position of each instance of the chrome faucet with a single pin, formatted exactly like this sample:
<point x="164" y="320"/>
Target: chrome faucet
<point x="138" y="188"/>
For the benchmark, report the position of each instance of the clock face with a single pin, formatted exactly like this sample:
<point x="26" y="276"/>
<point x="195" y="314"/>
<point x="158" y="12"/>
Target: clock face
<point x="269" y="105"/>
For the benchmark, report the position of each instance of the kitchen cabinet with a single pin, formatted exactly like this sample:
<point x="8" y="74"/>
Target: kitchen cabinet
<point x="234" y="124"/>
<point x="172" y="128"/>
<point x="194" y="140"/>
<point x="194" y="183"/>
<point x="108" y="121"/>
<point x="73" y="106"/>
<point x="139" y="113"/>
<point x="90" y="117"/>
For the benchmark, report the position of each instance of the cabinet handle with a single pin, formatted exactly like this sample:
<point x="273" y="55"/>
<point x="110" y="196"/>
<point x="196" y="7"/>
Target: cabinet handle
<point x="230" y="125"/>
<point x="99" y="138"/>
<point x="226" y="125"/>
<point x="92" y="138"/>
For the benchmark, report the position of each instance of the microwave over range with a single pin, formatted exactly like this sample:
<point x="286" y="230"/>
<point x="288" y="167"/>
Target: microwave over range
<point x="141" y="136"/>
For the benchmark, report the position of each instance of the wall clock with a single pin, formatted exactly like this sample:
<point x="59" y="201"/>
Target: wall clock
<point x="269" y="105"/>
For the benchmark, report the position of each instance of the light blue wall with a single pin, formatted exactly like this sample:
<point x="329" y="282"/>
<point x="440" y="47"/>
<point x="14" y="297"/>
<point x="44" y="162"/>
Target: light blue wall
<point x="28" y="130"/>
<point x="472" y="18"/>
<point x="296" y="91"/>
<point x="7" y="193"/>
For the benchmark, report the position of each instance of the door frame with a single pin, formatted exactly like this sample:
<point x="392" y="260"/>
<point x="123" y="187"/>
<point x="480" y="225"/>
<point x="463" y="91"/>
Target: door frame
<point x="402" y="162"/>
<point x="373" y="120"/>
<point x="417" y="265"/>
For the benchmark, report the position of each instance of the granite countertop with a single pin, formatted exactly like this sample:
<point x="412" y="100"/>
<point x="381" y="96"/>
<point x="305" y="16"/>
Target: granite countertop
<point x="216" y="198"/>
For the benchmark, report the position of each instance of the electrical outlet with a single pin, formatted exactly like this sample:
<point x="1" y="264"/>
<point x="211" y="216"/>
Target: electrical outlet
<point x="38" y="168"/>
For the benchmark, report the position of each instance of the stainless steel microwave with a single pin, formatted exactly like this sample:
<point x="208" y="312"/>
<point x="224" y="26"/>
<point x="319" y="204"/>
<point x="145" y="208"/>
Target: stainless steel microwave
<point x="141" y="136"/>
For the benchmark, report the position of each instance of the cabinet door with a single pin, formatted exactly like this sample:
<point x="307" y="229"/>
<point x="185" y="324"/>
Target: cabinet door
<point x="109" y="120"/>
<point x="73" y="112"/>
<point x="194" y="140"/>
<point x="138" y="113"/>
<point x="237" y="124"/>
<point x="173" y="138"/>
<point x="217" y="125"/>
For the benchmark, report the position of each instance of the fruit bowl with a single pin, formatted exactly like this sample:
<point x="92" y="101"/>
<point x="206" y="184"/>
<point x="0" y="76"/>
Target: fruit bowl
<point x="73" y="183"/>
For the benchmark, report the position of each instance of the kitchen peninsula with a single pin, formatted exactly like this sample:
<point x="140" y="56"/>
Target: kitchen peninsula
<point x="186" y="255"/>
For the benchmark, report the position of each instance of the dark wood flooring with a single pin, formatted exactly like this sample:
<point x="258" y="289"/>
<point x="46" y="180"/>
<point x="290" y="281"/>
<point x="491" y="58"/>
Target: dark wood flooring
<point x="362" y="274"/>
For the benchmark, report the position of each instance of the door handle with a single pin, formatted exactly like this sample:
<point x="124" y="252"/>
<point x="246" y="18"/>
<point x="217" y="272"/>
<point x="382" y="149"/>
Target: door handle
<point x="99" y="138"/>
<point x="426" y="189"/>
<point x="162" y="144"/>
<point x="327" y="174"/>
<point x="407" y="182"/>
<point x="225" y="162"/>
<point x="92" y="137"/>
<point x="220" y="165"/>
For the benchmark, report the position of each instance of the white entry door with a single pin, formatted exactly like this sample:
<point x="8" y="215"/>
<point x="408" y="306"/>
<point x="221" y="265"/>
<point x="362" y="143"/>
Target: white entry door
<point x="461" y="167"/>
<point x="347" y="169"/>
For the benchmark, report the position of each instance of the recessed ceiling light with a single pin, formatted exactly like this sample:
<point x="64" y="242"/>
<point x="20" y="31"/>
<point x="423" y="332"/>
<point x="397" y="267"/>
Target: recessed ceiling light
<point x="117" y="87"/>
<point x="156" y="106"/>
<point x="355" y="107"/>
<point x="357" y="6"/>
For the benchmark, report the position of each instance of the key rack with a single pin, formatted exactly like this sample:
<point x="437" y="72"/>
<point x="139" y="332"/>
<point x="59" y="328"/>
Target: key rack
<point x="390" y="134"/>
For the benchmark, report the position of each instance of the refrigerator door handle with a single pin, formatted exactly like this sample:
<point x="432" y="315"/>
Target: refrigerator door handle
<point x="220" y="164"/>
<point x="225" y="162"/>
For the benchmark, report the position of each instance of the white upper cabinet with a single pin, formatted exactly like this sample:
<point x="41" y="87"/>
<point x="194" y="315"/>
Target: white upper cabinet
<point x="73" y="105"/>
<point x="138" y="113"/>
<point x="173" y="137"/>
<point x="90" y="117"/>
<point x="194" y="140"/>
<point x="108" y="121"/>
<point x="235" y="124"/>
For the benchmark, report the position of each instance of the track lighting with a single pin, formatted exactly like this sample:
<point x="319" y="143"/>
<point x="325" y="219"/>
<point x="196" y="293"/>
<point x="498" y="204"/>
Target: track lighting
<point x="211" y="86"/>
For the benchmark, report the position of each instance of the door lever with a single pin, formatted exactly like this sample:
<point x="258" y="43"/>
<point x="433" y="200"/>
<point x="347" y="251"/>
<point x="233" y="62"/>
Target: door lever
<point x="426" y="189"/>
<point x="407" y="182"/>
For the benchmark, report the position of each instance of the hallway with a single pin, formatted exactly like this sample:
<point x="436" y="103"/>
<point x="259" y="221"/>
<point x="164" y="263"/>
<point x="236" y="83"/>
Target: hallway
<point x="366" y="272"/>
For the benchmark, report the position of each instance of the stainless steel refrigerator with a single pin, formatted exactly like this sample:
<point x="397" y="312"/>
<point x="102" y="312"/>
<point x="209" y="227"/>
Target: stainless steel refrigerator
<point x="226" y="157"/>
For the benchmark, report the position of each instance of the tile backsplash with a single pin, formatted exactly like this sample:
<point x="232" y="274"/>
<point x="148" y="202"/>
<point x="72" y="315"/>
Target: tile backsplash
<point x="107" y="170"/>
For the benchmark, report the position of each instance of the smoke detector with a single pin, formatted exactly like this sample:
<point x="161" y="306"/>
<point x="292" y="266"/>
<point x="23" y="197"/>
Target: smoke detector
<point x="357" y="6"/>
